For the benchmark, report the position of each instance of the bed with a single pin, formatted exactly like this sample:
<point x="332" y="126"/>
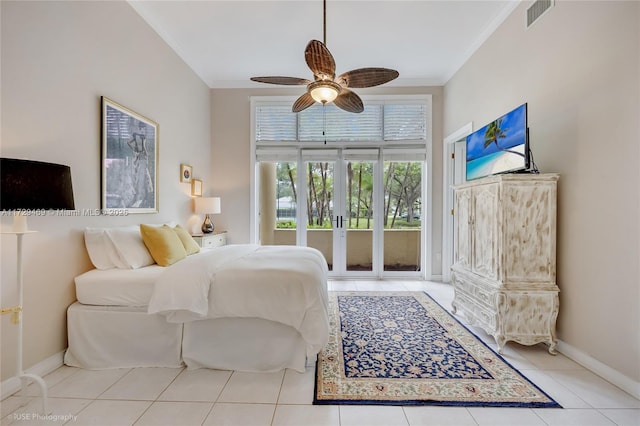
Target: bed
<point x="238" y="307"/>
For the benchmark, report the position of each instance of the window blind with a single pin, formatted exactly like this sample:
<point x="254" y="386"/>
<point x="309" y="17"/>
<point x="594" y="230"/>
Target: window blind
<point x="357" y="154"/>
<point x="390" y="154"/>
<point x="379" y="122"/>
<point x="405" y="122"/>
<point x="333" y="124"/>
<point x="275" y="123"/>
<point x="276" y="154"/>
<point x="319" y="154"/>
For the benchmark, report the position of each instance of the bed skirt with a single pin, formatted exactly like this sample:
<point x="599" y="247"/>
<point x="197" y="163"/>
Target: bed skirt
<point x="243" y="344"/>
<point x="107" y="337"/>
<point x="104" y="337"/>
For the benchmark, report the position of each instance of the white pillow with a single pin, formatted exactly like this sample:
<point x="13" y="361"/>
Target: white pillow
<point x="101" y="250"/>
<point x="130" y="247"/>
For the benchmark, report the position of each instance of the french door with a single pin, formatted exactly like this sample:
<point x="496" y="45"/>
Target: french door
<point x="362" y="211"/>
<point x="339" y="214"/>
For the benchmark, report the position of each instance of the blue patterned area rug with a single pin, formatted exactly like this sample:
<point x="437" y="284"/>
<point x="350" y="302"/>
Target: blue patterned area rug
<point x="403" y="348"/>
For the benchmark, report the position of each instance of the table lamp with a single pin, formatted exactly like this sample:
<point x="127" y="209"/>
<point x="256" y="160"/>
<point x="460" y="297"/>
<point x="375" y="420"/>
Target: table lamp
<point x="207" y="205"/>
<point x="29" y="188"/>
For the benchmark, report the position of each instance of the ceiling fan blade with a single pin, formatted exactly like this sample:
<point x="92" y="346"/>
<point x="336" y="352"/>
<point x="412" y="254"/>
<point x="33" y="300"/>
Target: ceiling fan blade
<point x="320" y="60"/>
<point x="303" y="102"/>
<point x="349" y="101"/>
<point x="289" y="81"/>
<point x="366" y="77"/>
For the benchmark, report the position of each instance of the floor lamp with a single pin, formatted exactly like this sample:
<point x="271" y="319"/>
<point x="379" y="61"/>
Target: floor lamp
<point x="30" y="187"/>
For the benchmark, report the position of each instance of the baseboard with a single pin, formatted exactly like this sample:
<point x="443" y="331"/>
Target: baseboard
<point x="12" y="385"/>
<point x="609" y="374"/>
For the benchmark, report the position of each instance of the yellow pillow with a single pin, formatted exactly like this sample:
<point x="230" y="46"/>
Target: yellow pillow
<point x="190" y="245"/>
<point x="163" y="244"/>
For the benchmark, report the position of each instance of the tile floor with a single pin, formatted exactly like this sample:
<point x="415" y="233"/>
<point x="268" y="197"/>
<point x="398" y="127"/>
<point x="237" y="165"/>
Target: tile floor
<point x="165" y="396"/>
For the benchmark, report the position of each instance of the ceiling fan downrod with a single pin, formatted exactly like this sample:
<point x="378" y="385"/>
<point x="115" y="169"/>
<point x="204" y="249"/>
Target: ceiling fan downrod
<point x="324" y="22"/>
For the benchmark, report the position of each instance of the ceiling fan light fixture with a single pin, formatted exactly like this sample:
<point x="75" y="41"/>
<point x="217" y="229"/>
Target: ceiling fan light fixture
<point x="325" y="91"/>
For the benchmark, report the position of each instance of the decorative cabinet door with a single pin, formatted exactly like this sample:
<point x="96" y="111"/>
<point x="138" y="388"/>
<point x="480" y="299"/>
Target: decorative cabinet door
<point x="462" y="215"/>
<point x="530" y="230"/>
<point x="486" y="222"/>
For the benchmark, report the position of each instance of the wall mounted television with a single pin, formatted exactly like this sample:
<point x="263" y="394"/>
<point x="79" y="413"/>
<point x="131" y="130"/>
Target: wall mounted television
<point x="501" y="146"/>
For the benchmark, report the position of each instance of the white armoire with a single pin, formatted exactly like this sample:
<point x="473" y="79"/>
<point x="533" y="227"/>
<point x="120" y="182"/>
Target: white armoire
<point x="504" y="273"/>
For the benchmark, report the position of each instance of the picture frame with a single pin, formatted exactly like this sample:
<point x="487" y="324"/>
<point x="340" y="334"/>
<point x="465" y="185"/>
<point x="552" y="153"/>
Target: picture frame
<point x="130" y="154"/>
<point x="196" y="188"/>
<point x="186" y="173"/>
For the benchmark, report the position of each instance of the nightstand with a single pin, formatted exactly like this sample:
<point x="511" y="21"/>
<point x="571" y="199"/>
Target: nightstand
<point x="214" y="239"/>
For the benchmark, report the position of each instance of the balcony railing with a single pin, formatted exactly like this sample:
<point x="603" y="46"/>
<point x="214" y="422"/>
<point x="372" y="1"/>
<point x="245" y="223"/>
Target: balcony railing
<point x="401" y="247"/>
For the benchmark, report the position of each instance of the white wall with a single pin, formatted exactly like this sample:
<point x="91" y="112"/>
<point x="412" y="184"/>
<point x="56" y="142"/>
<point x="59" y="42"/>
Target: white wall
<point x="58" y="58"/>
<point x="578" y="68"/>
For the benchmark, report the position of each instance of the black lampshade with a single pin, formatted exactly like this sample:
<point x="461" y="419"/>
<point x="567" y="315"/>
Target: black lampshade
<point x="35" y="185"/>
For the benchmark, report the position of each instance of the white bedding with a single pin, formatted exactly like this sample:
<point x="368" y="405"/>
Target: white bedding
<point x="278" y="283"/>
<point x="117" y="287"/>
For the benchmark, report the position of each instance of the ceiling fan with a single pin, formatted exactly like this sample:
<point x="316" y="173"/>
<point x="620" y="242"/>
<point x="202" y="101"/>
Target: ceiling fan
<point x="325" y="87"/>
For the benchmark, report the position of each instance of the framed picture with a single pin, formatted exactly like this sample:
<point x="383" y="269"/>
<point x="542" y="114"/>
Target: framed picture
<point x="186" y="171"/>
<point x="196" y="188"/>
<point x="129" y="180"/>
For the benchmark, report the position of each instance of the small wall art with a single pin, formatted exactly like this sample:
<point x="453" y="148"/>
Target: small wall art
<point x="186" y="172"/>
<point x="196" y="188"/>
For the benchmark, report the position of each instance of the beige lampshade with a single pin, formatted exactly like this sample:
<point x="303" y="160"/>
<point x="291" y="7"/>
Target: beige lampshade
<point x="207" y="205"/>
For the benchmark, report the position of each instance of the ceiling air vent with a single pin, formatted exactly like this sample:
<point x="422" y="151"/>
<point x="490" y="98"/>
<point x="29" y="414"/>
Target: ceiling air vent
<point x="537" y="9"/>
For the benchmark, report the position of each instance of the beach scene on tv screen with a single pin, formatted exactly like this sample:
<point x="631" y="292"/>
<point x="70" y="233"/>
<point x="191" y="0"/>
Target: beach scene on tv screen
<point x="499" y="146"/>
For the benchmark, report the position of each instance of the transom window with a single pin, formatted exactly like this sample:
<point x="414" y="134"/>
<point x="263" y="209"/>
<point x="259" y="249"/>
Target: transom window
<point x="394" y="121"/>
